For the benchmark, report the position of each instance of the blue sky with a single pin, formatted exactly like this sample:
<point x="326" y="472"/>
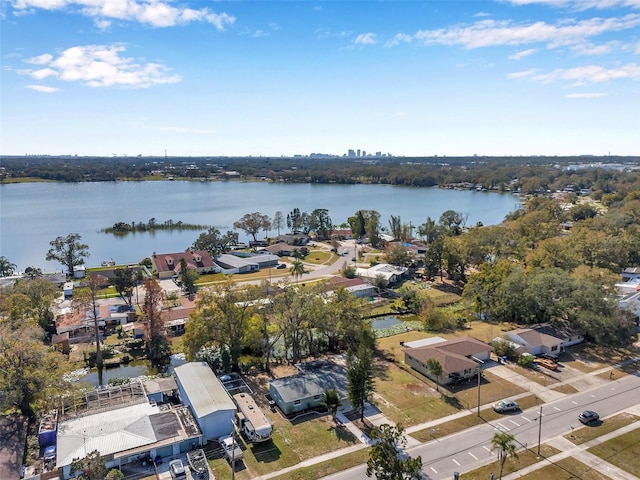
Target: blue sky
<point x="508" y="77"/>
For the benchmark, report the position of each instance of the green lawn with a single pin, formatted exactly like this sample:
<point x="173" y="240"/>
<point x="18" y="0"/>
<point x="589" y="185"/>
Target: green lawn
<point x="468" y="421"/>
<point x="405" y="399"/>
<point x="565" y="469"/>
<point x="512" y="464"/>
<point x="622" y="451"/>
<point x="328" y="467"/>
<point x="587" y="433"/>
<point x="289" y="446"/>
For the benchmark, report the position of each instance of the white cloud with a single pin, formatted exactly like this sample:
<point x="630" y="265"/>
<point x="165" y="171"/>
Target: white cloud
<point x="581" y="75"/>
<point x="587" y="95"/>
<point x="581" y="4"/>
<point x="43" y="88"/>
<point x="592" y="49"/>
<point x="490" y="33"/>
<point x="522" y="54"/>
<point x="366" y="39"/>
<point x="157" y="13"/>
<point x="260" y="33"/>
<point x="40" y="59"/>
<point x="398" y="39"/>
<point x="523" y="73"/>
<point x="102" y="66"/>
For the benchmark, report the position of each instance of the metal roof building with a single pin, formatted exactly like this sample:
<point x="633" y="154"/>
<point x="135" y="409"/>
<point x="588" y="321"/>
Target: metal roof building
<point x="210" y="402"/>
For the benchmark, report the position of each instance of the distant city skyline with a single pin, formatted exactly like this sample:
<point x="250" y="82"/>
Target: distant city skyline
<point x="227" y="78"/>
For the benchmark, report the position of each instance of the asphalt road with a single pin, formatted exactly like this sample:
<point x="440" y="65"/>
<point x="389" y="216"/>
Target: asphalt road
<point x="471" y="448"/>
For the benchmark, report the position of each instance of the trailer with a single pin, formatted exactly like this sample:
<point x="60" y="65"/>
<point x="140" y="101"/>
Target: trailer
<point x="251" y="419"/>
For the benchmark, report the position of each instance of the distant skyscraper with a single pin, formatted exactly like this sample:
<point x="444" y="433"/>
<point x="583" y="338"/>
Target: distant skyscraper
<point x="358" y="152"/>
<point x="364" y="153"/>
<point x="351" y="153"/>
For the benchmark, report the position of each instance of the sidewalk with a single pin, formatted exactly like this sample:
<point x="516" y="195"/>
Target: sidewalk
<point x="585" y="381"/>
<point x="579" y="452"/>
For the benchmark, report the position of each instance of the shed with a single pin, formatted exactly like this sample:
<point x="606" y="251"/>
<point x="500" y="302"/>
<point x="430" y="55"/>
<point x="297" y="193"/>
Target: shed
<point x="212" y="407"/>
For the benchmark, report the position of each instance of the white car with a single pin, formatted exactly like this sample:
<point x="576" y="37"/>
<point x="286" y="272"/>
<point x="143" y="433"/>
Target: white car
<point x="232" y="450"/>
<point x="506" y="406"/>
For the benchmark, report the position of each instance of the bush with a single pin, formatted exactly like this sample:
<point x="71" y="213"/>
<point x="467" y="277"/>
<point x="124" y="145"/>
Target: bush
<point x="525" y="360"/>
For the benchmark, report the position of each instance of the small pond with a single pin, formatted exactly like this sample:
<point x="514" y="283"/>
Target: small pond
<point x="387" y="321"/>
<point x="137" y="368"/>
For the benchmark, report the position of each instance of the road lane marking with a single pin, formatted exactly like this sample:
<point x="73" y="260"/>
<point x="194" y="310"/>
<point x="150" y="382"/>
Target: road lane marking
<point x="556" y="408"/>
<point x="487" y="449"/>
<point x="474" y="457"/>
<point x="575" y="403"/>
<point x="526" y="419"/>
<point x="515" y="423"/>
<point x="456" y="461"/>
<point x="503" y="427"/>
<point x="593" y="396"/>
<point x="434" y="470"/>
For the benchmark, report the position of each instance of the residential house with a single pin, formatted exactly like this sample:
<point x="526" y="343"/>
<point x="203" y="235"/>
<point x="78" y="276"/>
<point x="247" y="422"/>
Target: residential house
<point x="167" y="265"/>
<point x="231" y="264"/>
<point x="294" y="238"/>
<point x="304" y="390"/>
<point x="391" y="273"/>
<point x="280" y="249"/>
<point x="456" y="356"/>
<point x="358" y="287"/>
<point x="534" y="341"/>
<point x="342" y="234"/>
<point x="211" y="404"/>
<point x="126" y="434"/>
<point x="262" y="258"/>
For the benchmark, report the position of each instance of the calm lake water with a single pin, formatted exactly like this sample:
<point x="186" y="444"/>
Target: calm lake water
<point x="33" y="214"/>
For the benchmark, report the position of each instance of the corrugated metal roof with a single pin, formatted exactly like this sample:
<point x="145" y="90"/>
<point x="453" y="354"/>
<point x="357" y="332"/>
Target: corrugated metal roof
<point x="206" y="393"/>
<point x="108" y="432"/>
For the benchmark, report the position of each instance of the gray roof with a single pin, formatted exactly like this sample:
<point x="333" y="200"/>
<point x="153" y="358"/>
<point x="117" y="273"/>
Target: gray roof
<point x="309" y="384"/>
<point x="108" y="432"/>
<point x="206" y="393"/>
<point x="226" y="260"/>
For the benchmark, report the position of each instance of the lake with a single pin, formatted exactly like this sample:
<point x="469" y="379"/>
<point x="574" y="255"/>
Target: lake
<point x="33" y="214"/>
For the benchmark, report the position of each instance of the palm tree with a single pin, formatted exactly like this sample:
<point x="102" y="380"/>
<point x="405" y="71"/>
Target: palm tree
<point x="331" y="400"/>
<point x="435" y="368"/>
<point x="507" y="446"/>
<point x="297" y="269"/>
<point x="6" y="267"/>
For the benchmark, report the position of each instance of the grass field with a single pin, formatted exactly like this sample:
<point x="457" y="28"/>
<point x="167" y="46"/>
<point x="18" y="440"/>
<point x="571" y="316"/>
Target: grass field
<point x="587" y="433"/>
<point x="565" y="469"/>
<point x="289" y="446"/>
<point x="512" y="464"/>
<point x="468" y="421"/>
<point x="622" y="451"/>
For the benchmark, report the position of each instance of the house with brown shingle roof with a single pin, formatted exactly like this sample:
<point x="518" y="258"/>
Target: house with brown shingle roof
<point x="167" y="265"/>
<point x="454" y="355"/>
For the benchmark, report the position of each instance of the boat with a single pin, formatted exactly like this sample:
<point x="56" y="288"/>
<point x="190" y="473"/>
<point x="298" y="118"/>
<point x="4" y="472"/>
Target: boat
<point x="197" y="462"/>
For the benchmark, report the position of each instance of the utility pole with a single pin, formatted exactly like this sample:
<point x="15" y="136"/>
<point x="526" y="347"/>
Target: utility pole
<point x="480" y="363"/>
<point x="539" y="429"/>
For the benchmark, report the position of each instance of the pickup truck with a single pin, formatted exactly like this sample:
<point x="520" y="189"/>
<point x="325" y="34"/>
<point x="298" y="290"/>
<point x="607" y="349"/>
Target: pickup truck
<point x="232" y="450"/>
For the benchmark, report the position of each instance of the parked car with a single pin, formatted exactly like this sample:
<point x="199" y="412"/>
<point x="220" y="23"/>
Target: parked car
<point x="550" y="356"/>
<point x="177" y="469"/>
<point x="546" y="363"/>
<point x="506" y="406"/>
<point x="232" y="450"/>
<point x="281" y="266"/>
<point x="588" y="416"/>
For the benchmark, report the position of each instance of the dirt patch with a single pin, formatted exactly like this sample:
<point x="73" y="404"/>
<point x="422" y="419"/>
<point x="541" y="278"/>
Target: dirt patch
<point x="422" y="389"/>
